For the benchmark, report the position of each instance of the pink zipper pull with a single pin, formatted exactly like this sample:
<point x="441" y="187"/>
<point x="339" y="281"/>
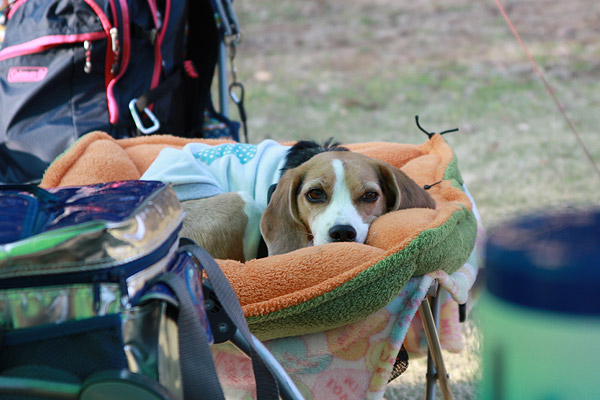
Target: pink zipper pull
<point x="116" y="49"/>
<point x="87" y="45"/>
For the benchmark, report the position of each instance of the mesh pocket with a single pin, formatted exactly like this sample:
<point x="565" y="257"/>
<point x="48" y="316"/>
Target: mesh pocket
<point x="77" y="347"/>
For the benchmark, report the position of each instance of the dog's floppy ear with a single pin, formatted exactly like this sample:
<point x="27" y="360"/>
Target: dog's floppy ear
<point x="405" y="193"/>
<point x="280" y="225"/>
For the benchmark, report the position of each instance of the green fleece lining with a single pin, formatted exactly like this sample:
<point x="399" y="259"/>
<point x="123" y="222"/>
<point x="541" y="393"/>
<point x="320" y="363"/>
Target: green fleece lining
<point x="452" y="173"/>
<point x="446" y="247"/>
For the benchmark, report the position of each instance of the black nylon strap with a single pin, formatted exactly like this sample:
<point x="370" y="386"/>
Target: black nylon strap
<point x="198" y="371"/>
<point x="166" y="86"/>
<point x="266" y="385"/>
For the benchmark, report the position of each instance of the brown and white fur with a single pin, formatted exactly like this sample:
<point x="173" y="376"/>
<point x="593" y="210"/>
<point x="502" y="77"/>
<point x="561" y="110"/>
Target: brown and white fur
<point x="332" y="197"/>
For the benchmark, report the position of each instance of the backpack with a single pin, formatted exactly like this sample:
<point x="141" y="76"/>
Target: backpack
<point x="100" y="296"/>
<point x="126" y="67"/>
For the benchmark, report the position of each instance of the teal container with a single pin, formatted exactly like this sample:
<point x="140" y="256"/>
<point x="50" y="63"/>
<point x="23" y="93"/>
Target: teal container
<point x="540" y="313"/>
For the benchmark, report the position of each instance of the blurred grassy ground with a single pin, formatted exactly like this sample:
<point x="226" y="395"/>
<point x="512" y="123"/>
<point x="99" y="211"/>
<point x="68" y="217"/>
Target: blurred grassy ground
<point x="361" y="70"/>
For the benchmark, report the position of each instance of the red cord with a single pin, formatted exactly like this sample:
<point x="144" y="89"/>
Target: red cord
<point x="548" y="87"/>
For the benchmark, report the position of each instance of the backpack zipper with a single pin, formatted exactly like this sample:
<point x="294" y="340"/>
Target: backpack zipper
<point x="46" y="42"/>
<point x="123" y="55"/>
<point x="112" y="35"/>
<point x="161" y="25"/>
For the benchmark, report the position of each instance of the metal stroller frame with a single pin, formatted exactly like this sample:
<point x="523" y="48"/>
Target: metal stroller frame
<point x="231" y="36"/>
<point x="436" y="368"/>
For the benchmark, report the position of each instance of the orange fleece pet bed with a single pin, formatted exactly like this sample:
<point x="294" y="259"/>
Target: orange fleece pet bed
<point x="321" y="287"/>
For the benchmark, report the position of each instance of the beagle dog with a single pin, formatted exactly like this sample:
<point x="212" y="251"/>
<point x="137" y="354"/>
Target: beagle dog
<point x="334" y="197"/>
<point x="325" y="194"/>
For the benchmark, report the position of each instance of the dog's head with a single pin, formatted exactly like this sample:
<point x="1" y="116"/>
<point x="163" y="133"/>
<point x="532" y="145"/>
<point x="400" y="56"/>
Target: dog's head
<point x="333" y="197"/>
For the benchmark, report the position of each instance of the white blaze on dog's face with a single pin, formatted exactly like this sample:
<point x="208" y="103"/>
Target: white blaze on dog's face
<point x="338" y="200"/>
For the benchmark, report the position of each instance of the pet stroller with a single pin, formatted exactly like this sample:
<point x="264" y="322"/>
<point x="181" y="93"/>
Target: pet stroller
<point x="338" y="323"/>
<point x="338" y="314"/>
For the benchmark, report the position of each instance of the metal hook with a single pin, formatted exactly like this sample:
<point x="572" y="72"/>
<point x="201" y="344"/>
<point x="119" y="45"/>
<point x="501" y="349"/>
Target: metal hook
<point x="236" y="85"/>
<point x="239" y="101"/>
<point x="138" y="120"/>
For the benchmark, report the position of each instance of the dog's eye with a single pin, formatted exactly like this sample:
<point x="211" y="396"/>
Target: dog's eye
<point x="316" y="195"/>
<point x="369" y="197"/>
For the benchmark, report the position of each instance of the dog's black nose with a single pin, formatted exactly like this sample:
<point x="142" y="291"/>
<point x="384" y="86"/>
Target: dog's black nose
<point x="342" y="233"/>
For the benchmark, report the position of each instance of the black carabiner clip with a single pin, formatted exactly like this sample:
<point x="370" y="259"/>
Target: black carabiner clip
<point x="239" y="101"/>
<point x="234" y="97"/>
